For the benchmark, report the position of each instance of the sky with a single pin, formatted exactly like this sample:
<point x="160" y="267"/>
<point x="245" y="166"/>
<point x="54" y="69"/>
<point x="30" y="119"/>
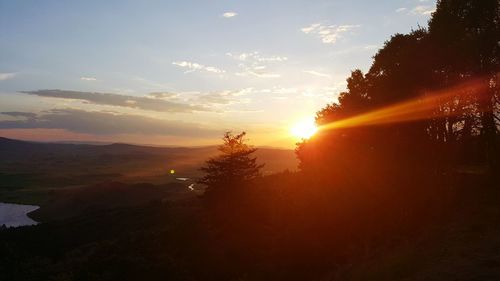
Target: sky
<point x="183" y="72"/>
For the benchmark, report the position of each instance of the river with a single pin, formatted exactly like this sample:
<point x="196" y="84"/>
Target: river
<point x="16" y="214"/>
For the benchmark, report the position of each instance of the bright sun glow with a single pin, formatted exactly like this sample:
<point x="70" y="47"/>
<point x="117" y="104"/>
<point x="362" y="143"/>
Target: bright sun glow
<point x="304" y="129"/>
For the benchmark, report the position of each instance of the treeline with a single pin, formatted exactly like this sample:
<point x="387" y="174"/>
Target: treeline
<point x="445" y="79"/>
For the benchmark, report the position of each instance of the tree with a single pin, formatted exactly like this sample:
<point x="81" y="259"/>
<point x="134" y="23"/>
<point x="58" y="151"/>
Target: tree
<point x="354" y="101"/>
<point x="460" y="46"/>
<point x="467" y="34"/>
<point x="233" y="166"/>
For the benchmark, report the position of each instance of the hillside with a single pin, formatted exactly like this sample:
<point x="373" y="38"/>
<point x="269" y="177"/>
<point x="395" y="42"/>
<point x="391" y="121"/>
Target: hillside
<point x="159" y="241"/>
<point x="31" y="171"/>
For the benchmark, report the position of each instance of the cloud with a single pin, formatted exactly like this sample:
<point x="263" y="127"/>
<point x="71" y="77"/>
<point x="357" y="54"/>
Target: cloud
<point x="144" y="103"/>
<point x="225" y="97"/>
<point x="299" y="93"/>
<point x="315" y="73"/>
<point x="423" y="10"/>
<point x="104" y="123"/>
<point x="7" y="75"/>
<point x="329" y="34"/>
<point x="88" y="78"/>
<point x="17" y="114"/>
<point x="193" y="66"/>
<point x="280" y="93"/>
<point x="255" y="56"/>
<point x="163" y="95"/>
<point x="259" y="74"/>
<point x="254" y="64"/>
<point x="229" y="14"/>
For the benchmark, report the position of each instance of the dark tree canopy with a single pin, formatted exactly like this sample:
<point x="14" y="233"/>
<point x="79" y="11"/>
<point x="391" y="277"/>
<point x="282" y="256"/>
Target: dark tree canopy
<point x="467" y="34"/>
<point x="234" y="164"/>
<point x="460" y="45"/>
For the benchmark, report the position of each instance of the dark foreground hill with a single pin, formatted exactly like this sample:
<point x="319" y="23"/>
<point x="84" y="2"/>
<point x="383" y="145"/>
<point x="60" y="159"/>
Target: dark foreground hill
<point x="175" y="241"/>
<point x="71" y="202"/>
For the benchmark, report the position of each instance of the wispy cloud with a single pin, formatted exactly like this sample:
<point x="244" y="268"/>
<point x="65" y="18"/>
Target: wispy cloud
<point x="163" y="95"/>
<point x="315" y="73"/>
<point x="17" y="114"/>
<point x="225" y="97"/>
<point x="256" y="56"/>
<point x="144" y="103"/>
<point x="182" y="102"/>
<point x="229" y="14"/>
<point x="329" y="34"/>
<point x="423" y="10"/>
<point x="7" y="75"/>
<point x="259" y="74"/>
<point x="103" y="123"/>
<point x="280" y="93"/>
<point x="193" y="66"/>
<point x="400" y="10"/>
<point x="84" y="78"/>
<point x="255" y="65"/>
<point x="285" y="93"/>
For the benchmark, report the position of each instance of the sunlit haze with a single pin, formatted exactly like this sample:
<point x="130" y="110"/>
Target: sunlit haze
<point x="304" y="129"/>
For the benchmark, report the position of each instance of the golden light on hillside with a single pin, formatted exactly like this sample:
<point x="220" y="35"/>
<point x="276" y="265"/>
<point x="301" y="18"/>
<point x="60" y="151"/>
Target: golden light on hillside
<point x="304" y="129"/>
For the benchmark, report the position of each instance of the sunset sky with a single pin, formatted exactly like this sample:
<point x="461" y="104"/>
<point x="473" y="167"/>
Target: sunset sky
<point x="183" y="72"/>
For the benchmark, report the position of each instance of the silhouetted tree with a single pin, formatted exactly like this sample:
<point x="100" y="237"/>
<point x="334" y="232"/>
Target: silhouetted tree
<point x="459" y="46"/>
<point x="466" y="35"/>
<point x="350" y="102"/>
<point x="233" y="166"/>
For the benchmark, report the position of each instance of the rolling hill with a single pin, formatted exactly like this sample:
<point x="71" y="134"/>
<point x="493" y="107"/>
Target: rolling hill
<point x="32" y="172"/>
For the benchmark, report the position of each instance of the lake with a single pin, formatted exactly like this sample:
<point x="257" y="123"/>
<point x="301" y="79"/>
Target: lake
<point x="16" y="214"/>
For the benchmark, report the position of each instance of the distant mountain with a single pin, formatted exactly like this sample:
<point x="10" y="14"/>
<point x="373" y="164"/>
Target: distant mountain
<point x="17" y="151"/>
<point x="30" y="170"/>
<point x="84" y="142"/>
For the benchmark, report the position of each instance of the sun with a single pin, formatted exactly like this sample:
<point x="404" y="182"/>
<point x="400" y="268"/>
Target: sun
<point x="304" y="129"/>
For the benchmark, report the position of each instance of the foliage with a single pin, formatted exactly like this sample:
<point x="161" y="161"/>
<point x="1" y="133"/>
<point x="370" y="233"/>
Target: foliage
<point x="460" y="46"/>
<point x="233" y="166"/>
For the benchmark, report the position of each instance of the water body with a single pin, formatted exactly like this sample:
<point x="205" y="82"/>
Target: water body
<point x="190" y="187"/>
<point x="16" y="214"/>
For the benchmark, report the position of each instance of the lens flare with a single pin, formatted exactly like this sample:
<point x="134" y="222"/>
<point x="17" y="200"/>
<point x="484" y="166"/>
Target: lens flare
<point x="427" y="106"/>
